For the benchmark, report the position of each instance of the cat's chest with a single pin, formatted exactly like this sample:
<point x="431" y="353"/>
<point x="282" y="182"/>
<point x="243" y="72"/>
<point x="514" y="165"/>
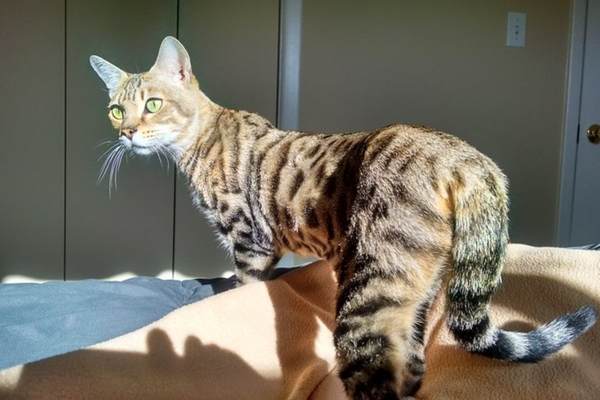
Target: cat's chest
<point x="232" y="217"/>
<point x="213" y="218"/>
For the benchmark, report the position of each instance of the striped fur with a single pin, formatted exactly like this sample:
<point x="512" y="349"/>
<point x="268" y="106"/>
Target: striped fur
<point x="399" y="211"/>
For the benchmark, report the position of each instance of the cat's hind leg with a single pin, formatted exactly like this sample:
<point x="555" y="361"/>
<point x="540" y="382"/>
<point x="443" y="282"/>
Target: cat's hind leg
<point x="381" y="310"/>
<point x="395" y="254"/>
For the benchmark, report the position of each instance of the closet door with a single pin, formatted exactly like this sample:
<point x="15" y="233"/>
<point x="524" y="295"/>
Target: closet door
<point x="132" y="229"/>
<point x="32" y="139"/>
<point x="233" y="46"/>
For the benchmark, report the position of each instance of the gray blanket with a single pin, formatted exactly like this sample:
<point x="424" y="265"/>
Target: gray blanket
<point x="44" y="320"/>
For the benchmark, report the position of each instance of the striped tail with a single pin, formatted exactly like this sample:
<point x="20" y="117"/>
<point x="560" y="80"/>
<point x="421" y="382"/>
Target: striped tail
<point x="480" y="240"/>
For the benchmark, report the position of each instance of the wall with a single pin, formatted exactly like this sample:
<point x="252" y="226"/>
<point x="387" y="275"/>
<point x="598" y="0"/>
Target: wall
<point x="363" y="65"/>
<point x="32" y="150"/>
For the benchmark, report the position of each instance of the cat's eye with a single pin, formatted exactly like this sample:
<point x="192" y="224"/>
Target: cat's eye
<point x="116" y="112"/>
<point x="153" y="105"/>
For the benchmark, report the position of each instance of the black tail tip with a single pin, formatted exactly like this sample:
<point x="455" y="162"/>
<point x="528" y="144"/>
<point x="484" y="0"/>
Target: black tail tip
<point x="582" y="319"/>
<point x="531" y="347"/>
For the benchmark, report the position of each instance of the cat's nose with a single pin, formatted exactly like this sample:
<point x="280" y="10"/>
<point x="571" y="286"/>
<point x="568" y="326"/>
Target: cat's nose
<point x="128" y="132"/>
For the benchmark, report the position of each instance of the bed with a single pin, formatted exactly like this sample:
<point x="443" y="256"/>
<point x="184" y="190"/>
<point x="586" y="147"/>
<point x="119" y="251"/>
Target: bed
<point x="150" y="338"/>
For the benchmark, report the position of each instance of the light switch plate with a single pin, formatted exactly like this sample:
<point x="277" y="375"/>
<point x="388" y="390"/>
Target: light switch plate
<point x="515" y="29"/>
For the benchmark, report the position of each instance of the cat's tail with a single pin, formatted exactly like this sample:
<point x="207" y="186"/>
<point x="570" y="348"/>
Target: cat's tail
<point x="480" y="240"/>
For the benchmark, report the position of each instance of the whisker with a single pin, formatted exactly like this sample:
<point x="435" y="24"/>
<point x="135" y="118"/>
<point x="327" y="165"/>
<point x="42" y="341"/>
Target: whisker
<point x="121" y="156"/>
<point x="115" y="145"/>
<point x="115" y="170"/>
<point x="162" y="149"/>
<point x="106" y="165"/>
<point x="109" y="160"/>
<point x="115" y="165"/>
<point x="112" y="173"/>
<point x="105" y="142"/>
<point x="175" y="152"/>
<point x="112" y="159"/>
<point x="169" y="161"/>
<point x="157" y="151"/>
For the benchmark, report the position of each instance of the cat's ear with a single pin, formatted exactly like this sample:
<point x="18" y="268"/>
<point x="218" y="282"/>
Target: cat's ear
<point x="110" y="74"/>
<point x="173" y="60"/>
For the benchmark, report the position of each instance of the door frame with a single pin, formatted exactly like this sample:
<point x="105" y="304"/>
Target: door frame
<point x="574" y="81"/>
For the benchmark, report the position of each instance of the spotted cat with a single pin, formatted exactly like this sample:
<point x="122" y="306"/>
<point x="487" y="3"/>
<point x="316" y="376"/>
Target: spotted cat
<point x="401" y="212"/>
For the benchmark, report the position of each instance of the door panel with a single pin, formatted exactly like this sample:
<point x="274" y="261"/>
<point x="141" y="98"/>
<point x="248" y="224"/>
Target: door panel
<point x="32" y="132"/>
<point x="586" y="200"/>
<point x="130" y="231"/>
<point x="233" y="47"/>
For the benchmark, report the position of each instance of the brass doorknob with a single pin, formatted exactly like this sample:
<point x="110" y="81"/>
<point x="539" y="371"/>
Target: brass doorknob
<point x="593" y="133"/>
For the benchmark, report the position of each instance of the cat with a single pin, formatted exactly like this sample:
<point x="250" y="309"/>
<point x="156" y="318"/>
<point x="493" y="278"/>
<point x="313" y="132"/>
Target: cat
<point x="401" y="212"/>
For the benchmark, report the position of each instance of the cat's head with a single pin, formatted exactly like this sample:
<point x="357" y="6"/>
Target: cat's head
<point x="154" y="111"/>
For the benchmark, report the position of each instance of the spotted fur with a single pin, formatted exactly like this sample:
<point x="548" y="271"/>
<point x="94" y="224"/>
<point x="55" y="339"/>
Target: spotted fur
<point x="401" y="212"/>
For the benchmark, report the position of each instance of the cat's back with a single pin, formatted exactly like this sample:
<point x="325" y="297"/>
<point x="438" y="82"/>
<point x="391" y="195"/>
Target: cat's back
<point x="415" y="142"/>
<point x="332" y="160"/>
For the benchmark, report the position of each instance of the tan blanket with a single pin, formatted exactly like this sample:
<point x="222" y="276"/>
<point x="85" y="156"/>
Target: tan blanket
<point x="273" y="341"/>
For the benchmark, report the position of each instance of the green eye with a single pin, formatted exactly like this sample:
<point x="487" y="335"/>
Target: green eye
<point x="153" y="105"/>
<point x="116" y="112"/>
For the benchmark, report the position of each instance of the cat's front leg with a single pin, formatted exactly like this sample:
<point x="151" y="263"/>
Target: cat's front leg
<point x="253" y="262"/>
